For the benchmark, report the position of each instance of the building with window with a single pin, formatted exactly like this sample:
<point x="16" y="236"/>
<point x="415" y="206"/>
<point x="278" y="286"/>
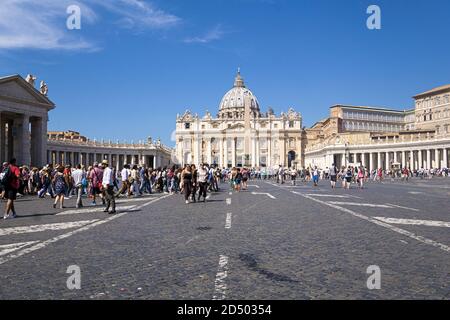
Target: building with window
<point x="241" y="134"/>
<point x="379" y="137"/>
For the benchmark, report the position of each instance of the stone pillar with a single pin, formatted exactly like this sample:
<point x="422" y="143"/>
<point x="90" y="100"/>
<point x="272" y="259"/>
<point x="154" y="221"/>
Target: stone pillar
<point x="371" y="161"/>
<point x="437" y="163"/>
<point x="233" y="152"/>
<point x="21" y="139"/>
<point x="428" y="166"/>
<point x="363" y="159"/>
<point x="403" y="159"/>
<point x="257" y="162"/>
<point x="379" y="164"/>
<point x="420" y="156"/>
<point x="395" y="156"/>
<point x="344" y="160"/>
<point x="269" y="152"/>
<point x="283" y="152"/>
<point x="225" y="153"/>
<point x="387" y="161"/>
<point x="253" y="156"/>
<point x="220" y="164"/>
<point x="445" y="158"/>
<point x="208" y="151"/>
<point x="411" y="160"/>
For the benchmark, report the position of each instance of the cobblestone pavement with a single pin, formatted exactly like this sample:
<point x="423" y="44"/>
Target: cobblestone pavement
<point x="269" y="242"/>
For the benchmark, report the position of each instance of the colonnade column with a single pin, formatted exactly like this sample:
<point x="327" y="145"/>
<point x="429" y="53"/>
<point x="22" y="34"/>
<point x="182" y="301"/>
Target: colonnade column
<point x="225" y="153"/>
<point x="379" y="164"/>
<point x="437" y="163"/>
<point x="403" y="159"/>
<point x="420" y="164"/>
<point x="428" y="159"/>
<point x="371" y="161"/>
<point x="387" y="161"/>
<point x="411" y="160"/>
<point x="445" y="157"/>
<point x="220" y="164"/>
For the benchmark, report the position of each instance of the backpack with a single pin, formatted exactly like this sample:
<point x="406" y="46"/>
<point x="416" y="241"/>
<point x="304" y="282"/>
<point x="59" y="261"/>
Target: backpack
<point x="5" y="176"/>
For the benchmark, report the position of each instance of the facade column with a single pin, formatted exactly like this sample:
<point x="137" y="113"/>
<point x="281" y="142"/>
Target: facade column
<point x="363" y="159"/>
<point x="420" y="164"/>
<point x="220" y="164"/>
<point x="257" y="153"/>
<point x="209" y="151"/>
<point x="411" y="160"/>
<point x="395" y="156"/>
<point x="283" y="161"/>
<point x="225" y="153"/>
<point x="403" y="159"/>
<point x="387" y="160"/>
<point x="379" y="164"/>
<point x="428" y="159"/>
<point x="22" y="140"/>
<point x="445" y="157"/>
<point x="233" y="152"/>
<point x="437" y="163"/>
<point x="269" y="152"/>
<point x="371" y="161"/>
<point x="253" y="156"/>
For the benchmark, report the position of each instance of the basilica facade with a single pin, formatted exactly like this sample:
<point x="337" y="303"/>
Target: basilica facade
<point x="240" y="134"/>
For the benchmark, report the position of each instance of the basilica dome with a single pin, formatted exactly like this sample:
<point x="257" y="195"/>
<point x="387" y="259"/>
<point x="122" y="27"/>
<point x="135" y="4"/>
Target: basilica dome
<point x="235" y="100"/>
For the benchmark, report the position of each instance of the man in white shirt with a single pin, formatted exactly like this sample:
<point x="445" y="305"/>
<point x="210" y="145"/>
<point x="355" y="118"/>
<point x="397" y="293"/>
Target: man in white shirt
<point x="77" y="176"/>
<point x="108" y="187"/>
<point x="125" y="175"/>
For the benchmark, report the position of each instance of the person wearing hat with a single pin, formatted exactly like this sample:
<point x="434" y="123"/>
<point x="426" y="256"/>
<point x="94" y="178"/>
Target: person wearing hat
<point x="108" y="187"/>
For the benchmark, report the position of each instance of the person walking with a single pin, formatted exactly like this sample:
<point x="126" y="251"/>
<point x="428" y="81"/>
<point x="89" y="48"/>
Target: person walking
<point x="108" y="187"/>
<point x="10" y="181"/>
<point x="202" y="182"/>
<point x="125" y="177"/>
<point x="78" y="177"/>
<point x="316" y="176"/>
<point x="60" y="186"/>
<point x="186" y="178"/>
<point x="96" y="177"/>
<point x="333" y="176"/>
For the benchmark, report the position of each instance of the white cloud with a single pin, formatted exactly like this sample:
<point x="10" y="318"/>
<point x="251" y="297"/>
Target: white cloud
<point x="139" y="14"/>
<point x="215" y="33"/>
<point x="41" y="24"/>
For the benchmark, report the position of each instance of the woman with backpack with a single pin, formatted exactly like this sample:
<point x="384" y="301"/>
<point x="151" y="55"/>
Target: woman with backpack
<point x="348" y="177"/>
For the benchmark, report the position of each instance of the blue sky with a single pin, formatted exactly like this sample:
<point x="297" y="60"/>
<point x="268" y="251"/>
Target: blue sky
<point x="135" y="64"/>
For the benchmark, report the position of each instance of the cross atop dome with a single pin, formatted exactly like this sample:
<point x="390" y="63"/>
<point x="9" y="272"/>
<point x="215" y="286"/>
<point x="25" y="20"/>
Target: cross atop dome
<point x="238" y="81"/>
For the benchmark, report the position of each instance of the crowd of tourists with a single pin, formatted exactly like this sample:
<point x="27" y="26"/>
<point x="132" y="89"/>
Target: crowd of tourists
<point x="100" y="182"/>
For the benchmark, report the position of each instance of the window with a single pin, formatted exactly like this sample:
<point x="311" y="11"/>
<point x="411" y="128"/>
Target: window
<point x="203" y="126"/>
<point x="291" y="124"/>
<point x="187" y="125"/>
